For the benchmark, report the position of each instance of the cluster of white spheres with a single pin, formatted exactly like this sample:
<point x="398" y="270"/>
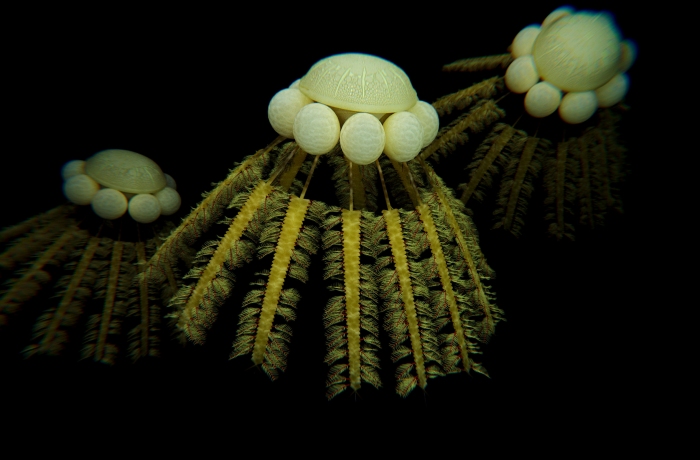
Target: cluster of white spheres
<point x="116" y="181"/>
<point x="362" y="101"/>
<point x="574" y="62"/>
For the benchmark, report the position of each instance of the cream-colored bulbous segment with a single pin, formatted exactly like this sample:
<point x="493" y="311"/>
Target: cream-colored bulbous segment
<point x="72" y="168"/>
<point x="578" y="106"/>
<point x="429" y="119"/>
<point x="521" y="74"/>
<point x="283" y="109"/>
<point x="524" y="41"/>
<point x="295" y="83"/>
<point x="628" y="54"/>
<point x="80" y="189"/>
<point x="109" y="203"/>
<point x="169" y="201"/>
<point x="578" y="52"/>
<point x="170" y="182"/>
<point x="557" y="14"/>
<point x="362" y="138"/>
<point x="144" y="208"/>
<point x="404" y="136"/>
<point x="316" y="129"/>
<point x="613" y="91"/>
<point x="542" y="99"/>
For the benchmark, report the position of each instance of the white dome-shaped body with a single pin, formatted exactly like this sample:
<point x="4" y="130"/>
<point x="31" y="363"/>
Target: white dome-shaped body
<point x="283" y="109"/>
<point x="359" y="82"/>
<point x="521" y="74"/>
<point x="109" y="203"/>
<point x="578" y="52"/>
<point x="80" y="189"/>
<point x="524" y="41"/>
<point x="578" y="107"/>
<point x="613" y="91"/>
<point x="429" y="120"/>
<point x="169" y="201"/>
<point x="542" y="99"/>
<point x="144" y="208"/>
<point x="362" y="138"/>
<point x="72" y="168"/>
<point x="557" y="14"/>
<point x="125" y="171"/>
<point x="316" y="129"/>
<point x="404" y="136"/>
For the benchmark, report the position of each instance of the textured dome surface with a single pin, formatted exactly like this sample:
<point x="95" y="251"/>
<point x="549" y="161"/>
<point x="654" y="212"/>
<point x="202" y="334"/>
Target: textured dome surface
<point x="578" y="52"/>
<point x="359" y="82"/>
<point x="125" y="171"/>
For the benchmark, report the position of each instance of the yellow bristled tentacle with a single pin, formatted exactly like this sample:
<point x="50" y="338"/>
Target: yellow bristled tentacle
<point x="485" y="164"/>
<point x="232" y="235"/>
<point x="278" y="272"/>
<point x="398" y="251"/>
<point x="47" y="342"/>
<point x="109" y="299"/>
<point x="25" y="287"/>
<point x="523" y="167"/>
<point x="207" y="212"/>
<point x="459" y="238"/>
<point x="351" y="262"/>
<point x="445" y="279"/>
<point x="143" y="301"/>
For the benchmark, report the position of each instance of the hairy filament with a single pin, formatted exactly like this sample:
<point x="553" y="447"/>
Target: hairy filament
<point x="486" y="162"/>
<point x="445" y="279"/>
<point x="67" y="298"/>
<point x="232" y="235"/>
<point x="351" y="260"/>
<point x="143" y="300"/>
<point x="398" y="251"/>
<point x="278" y="272"/>
<point x="523" y="167"/>
<point x="117" y="251"/>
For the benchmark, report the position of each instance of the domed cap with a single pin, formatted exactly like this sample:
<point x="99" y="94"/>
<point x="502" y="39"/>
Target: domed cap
<point x="359" y="82"/>
<point x="125" y="171"/>
<point x="578" y="52"/>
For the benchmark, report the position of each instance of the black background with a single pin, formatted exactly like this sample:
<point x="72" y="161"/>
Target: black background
<point x="190" y="89"/>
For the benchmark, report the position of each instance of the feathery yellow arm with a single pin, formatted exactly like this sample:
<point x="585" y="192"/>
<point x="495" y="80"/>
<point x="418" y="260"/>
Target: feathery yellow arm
<point x="53" y="215"/>
<point x="459" y="238"/>
<point x="278" y="272"/>
<point x="398" y="251"/>
<point x="465" y="97"/>
<point x="206" y="213"/>
<point x="485" y="164"/>
<point x="109" y="299"/>
<point x="477" y="118"/>
<point x="26" y="287"/>
<point x="445" y="279"/>
<point x="46" y="343"/>
<point x="232" y="235"/>
<point x="351" y="260"/>
<point x="143" y="302"/>
<point x="523" y="167"/>
<point x="585" y="184"/>
<point x="479" y="63"/>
